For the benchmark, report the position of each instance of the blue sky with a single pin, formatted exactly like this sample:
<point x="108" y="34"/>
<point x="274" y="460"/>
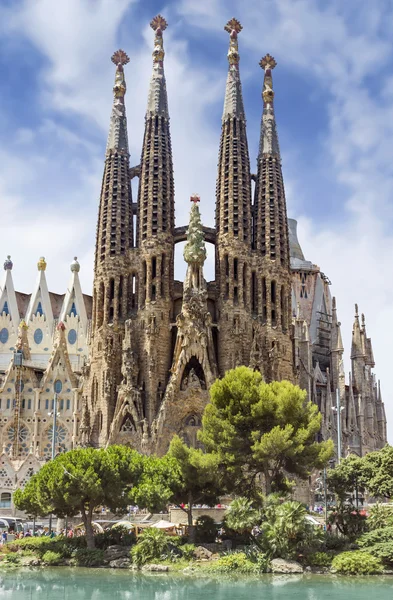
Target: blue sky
<point x="334" y="107"/>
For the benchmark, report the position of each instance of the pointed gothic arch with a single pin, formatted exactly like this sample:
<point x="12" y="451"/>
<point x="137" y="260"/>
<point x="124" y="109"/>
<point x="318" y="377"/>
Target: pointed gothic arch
<point x="193" y="373"/>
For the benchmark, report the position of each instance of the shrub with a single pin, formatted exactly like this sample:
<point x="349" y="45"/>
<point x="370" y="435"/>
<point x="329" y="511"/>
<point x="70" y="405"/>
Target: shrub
<point x="356" y="563"/>
<point x="235" y="562"/>
<point x="383" y="551"/>
<point x="11" y="559"/>
<point x="384" y="534"/>
<point x="206" y="529"/>
<point x="52" y="558"/>
<point x="319" y="559"/>
<point x="188" y="551"/>
<point x="333" y="542"/>
<point x="40" y="545"/>
<point x="380" y="515"/>
<point x="86" y="557"/>
<point x="256" y="556"/>
<point x="349" y="521"/>
<point x="151" y="544"/>
<point x="114" y="536"/>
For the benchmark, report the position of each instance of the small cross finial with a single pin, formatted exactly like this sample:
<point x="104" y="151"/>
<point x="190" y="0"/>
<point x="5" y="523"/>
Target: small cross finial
<point x="120" y="58"/>
<point x="233" y="25"/>
<point x="356" y="310"/>
<point x="195" y="198"/>
<point x="363" y="320"/>
<point x="158" y="23"/>
<point x="267" y="62"/>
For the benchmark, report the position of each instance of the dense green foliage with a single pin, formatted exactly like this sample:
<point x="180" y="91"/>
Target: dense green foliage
<point x="82" y="480"/>
<point x="151" y="545"/>
<point x="52" y="558"/>
<point x="356" y="563"/>
<point x="206" y="529"/>
<point x="286" y="532"/>
<point x="380" y="515"/>
<point x="262" y="429"/>
<point x="349" y="522"/>
<point x="383" y="551"/>
<point x="235" y="562"/>
<point x="320" y="559"/>
<point x="384" y="534"/>
<point x="199" y="481"/>
<point x="377" y="470"/>
<point x="88" y="557"/>
<point x="346" y="478"/>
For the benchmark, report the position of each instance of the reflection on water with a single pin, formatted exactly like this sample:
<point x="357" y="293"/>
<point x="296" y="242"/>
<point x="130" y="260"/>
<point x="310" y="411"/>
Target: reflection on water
<point x="100" y="584"/>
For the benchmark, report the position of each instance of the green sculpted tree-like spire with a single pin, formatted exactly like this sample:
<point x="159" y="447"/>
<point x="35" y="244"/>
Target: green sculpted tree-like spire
<point x="195" y="250"/>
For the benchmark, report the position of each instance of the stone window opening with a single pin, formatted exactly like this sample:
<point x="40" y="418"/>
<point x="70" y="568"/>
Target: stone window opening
<point x="5" y="500"/>
<point x="235" y="268"/>
<point x="264" y="300"/>
<point x="273" y="302"/>
<point x="254" y="293"/>
<point x="244" y="284"/>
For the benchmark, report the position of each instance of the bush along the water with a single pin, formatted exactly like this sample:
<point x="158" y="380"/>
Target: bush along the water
<point x="319" y="559"/>
<point x="383" y="551"/>
<point x="383" y="534"/>
<point x="356" y="563"/>
<point x="235" y="562"/>
<point x="151" y="545"/>
<point x="87" y="557"/>
<point x="52" y="558"/>
<point x="380" y="515"/>
<point x="206" y="530"/>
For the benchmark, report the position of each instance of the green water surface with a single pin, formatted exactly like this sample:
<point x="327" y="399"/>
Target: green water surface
<point x="99" y="584"/>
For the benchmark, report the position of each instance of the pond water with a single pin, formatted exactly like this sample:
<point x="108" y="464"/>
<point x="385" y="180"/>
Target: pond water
<point x="103" y="584"/>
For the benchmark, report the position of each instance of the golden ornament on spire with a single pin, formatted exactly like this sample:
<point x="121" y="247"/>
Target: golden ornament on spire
<point x="158" y="24"/>
<point x="41" y="264"/>
<point x="120" y="57"/>
<point x="233" y="27"/>
<point x="268" y="63"/>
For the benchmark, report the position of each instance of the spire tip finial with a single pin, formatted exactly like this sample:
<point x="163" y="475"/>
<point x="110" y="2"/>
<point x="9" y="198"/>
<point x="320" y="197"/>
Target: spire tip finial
<point x="267" y="62"/>
<point x="120" y="58"/>
<point x="195" y="198"/>
<point x="356" y="310"/>
<point x="233" y="25"/>
<point x="158" y="23"/>
<point x="8" y="264"/>
<point x="41" y="264"/>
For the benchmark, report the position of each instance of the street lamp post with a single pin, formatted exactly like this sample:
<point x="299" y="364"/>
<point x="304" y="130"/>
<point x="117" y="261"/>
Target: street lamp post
<point x="54" y="413"/>
<point x="337" y="409"/>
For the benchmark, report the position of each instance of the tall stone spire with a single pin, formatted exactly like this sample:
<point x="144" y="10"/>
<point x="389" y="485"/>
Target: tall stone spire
<point x="156" y="186"/>
<point x="357" y="349"/>
<point x="114" y="229"/>
<point x="233" y="218"/>
<point x="271" y="282"/>
<point x="118" y="138"/>
<point x="270" y="213"/>
<point x="155" y="235"/>
<point x="233" y="190"/>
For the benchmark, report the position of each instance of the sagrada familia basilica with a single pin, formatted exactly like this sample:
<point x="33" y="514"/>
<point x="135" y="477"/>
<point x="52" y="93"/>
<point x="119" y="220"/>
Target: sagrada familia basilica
<point x="134" y="363"/>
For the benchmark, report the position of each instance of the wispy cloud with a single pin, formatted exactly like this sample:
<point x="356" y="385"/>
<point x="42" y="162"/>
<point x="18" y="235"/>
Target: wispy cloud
<point x="334" y="91"/>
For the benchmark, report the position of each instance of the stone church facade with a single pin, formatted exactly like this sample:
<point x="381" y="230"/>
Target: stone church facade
<point x="134" y="363"/>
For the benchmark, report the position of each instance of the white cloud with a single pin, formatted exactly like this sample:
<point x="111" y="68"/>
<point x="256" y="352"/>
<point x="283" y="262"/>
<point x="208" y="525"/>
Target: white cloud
<point x="50" y="175"/>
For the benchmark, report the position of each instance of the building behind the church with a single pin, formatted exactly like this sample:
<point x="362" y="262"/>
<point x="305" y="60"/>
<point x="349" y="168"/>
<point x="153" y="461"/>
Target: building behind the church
<point x="133" y="364"/>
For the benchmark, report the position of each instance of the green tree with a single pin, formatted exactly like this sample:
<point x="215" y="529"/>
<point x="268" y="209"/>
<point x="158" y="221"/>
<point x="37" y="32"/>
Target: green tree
<point x="199" y="479"/>
<point x="82" y="480"/>
<point x="286" y="530"/>
<point x="377" y="472"/>
<point x="262" y="429"/>
<point x="242" y="517"/>
<point x="347" y="479"/>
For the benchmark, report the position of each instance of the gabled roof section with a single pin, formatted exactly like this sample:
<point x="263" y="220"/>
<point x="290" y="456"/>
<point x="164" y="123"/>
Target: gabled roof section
<point x="40" y="301"/>
<point x="8" y="302"/>
<point x="60" y="353"/>
<point x="73" y="300"/>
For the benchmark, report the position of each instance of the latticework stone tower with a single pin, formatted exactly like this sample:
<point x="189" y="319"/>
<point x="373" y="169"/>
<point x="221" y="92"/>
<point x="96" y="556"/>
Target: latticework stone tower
<point x="271" y="276"/>
<point x="111" y="297"/>
<point x="156" y="344"/>
<point x="233" y="220"/>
